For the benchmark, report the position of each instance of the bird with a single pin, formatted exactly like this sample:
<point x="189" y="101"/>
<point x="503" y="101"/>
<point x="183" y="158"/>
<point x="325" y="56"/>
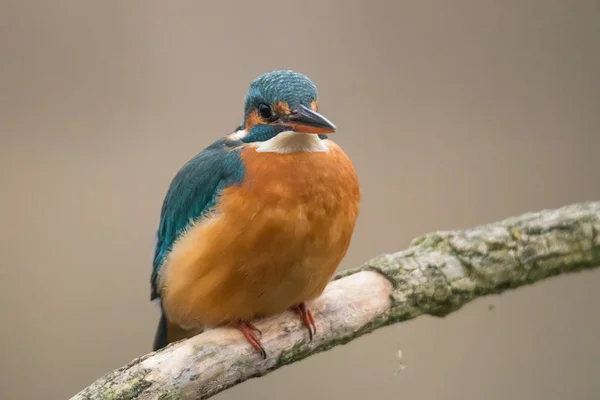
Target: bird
<point x="257" y="222"/>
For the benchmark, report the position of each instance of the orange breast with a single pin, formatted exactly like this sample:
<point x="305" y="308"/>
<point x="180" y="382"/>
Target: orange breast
<point x="274" y="241"/>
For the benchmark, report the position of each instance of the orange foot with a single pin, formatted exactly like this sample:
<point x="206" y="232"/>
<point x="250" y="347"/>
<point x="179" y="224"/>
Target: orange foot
<point x="307" y="319"/>
<point x="249" y="332"/>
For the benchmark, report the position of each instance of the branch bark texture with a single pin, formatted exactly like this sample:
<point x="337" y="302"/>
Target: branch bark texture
<point x="437" y="274"/>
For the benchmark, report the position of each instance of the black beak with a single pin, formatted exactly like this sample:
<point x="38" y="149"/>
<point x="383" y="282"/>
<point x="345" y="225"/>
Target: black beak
<point x="308" y="121"/>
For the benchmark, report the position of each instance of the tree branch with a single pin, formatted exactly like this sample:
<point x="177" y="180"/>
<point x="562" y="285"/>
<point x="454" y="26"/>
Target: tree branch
<point x="437" y="274"/>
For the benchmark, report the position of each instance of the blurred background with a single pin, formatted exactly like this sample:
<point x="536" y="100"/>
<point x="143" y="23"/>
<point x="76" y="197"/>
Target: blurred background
<point x="454" y="113"/>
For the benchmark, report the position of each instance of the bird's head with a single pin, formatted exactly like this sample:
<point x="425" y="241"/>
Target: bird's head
<point x="282" y="101"/>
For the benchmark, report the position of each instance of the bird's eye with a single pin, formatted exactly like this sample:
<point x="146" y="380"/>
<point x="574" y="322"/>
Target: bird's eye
<point x="265" y="111"/>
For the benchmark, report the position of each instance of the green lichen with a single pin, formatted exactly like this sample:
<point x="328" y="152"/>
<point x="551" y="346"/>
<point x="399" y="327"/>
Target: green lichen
<point x="292" y="354"/>
<point x="129" y="389"/>
<point x="171" y="395"/>
<point x="429" y="240"/>
<point x="243" y="364"/>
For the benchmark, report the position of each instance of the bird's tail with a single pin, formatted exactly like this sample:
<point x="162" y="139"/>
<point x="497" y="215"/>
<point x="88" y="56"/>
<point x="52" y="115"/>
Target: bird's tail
<point x="160" y="338"/>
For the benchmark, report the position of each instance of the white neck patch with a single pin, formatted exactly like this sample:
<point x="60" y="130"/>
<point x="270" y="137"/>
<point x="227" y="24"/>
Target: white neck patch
<point x="293" y="142"/>
<point x="238" y="135"/>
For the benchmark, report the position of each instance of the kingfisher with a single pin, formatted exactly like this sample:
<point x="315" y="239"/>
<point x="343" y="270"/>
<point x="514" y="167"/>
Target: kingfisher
<point x="257" y="222"/>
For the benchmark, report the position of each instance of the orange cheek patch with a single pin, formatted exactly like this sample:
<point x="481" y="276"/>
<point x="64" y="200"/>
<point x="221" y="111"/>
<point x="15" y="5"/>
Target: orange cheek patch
<point x="281" y="108"/>
<point x="314" y="105"/>
<point x="253" y="119"/>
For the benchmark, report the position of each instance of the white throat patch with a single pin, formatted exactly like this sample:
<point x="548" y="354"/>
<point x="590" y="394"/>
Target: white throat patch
<point x="238" y="135"/>
<point x="292" y="142"/>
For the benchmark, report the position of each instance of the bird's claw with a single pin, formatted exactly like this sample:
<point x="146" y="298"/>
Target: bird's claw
<point x="249" y="331"/>
<point x="307" y="319"/>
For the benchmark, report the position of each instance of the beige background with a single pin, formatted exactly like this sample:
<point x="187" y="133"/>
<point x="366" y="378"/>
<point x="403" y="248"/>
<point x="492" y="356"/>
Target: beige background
<point x="454" y="113"/>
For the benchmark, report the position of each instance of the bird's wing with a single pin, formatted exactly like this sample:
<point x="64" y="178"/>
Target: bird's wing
<point x="193" y="192"/>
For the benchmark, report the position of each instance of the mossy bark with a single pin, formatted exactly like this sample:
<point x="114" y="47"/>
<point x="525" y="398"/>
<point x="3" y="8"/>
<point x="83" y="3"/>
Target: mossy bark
<point x="436" y="275"/>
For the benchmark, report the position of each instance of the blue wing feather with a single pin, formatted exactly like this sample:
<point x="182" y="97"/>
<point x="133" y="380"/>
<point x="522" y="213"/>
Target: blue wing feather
<point x="193" y="192"/>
